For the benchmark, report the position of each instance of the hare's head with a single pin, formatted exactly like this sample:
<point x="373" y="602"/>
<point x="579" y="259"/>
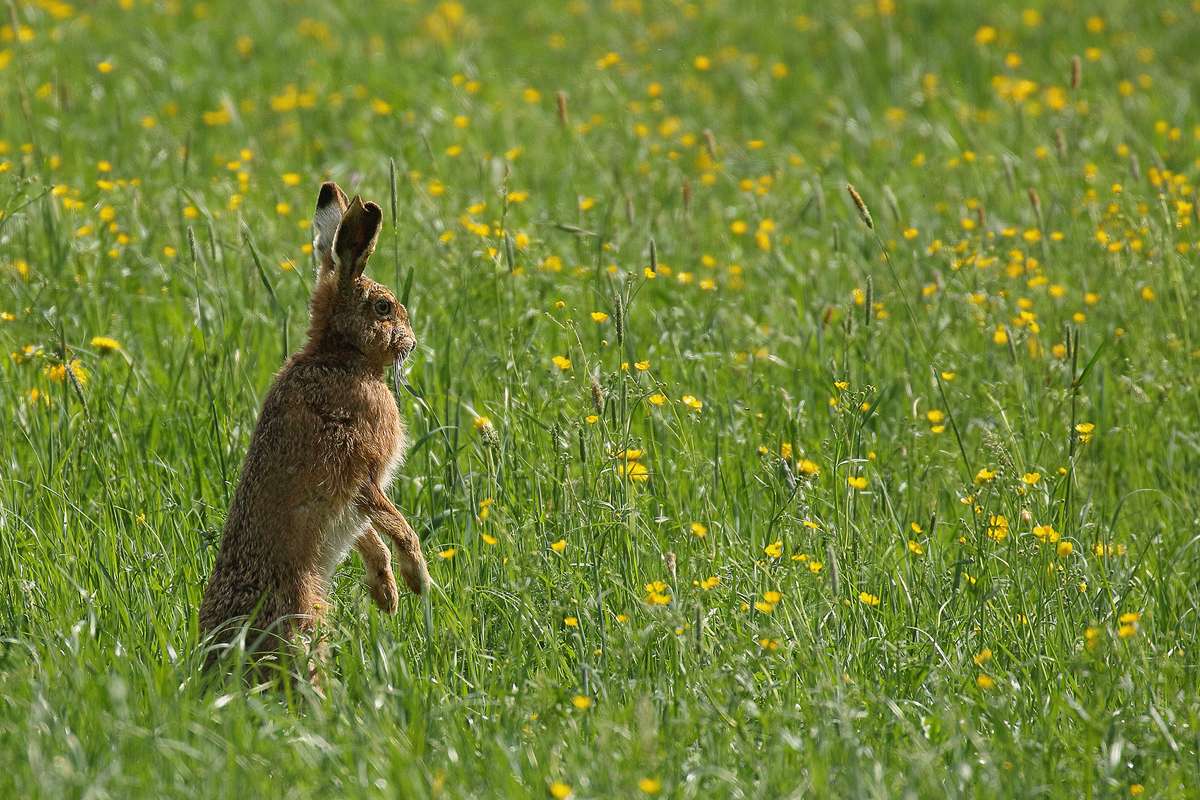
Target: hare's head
<point x="348" y="308"/>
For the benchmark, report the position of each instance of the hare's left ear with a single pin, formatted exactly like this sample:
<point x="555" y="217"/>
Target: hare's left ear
<point x="331" y="206"/>
<point x="355" y="241"/>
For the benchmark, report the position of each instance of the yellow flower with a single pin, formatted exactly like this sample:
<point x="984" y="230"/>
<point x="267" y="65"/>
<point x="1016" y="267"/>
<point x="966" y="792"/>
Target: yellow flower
<point x="692" y="402"/>
<point x="1084" y="429"/>
<point x="481" y="423"/>
<point x="642" y="365"/>
<point x="857" y="482"/>
<point x="984" y="475"/>
<point x="635" y="472"/>
<point x="559" y="546"/>
<point x="658" y="399"/>
<point x="104" y="344"/>
<point x="815" y="566"/>
<point x="935" y="416"/>
<point x="1136" y="788"/>
<point x="764" y="606"/>
<point x="58" y="372"/>
<point x="1030" y="478"/>
<point x="581" y="702"/>
<point x="531" y="95"/>
<point x="998" y="527"/>
<point x="599" y="316"/>
<point x="1064" y="549"/>
<point x="809" y="467"/>
<point x="586" y="203"/>
<point x="983" y="656"/>
<point x="868" y="598"/>
<point x="632" y="454"/>
<point x="559" y="790"/>
<point x="985" y="682"/>
<point x="650" y="785"/>
<point x="775" y="549"/>
<point x="571" y="622"/>
<point x="562" y="362"/>
<point x="657" y="593"/>
<point x="448" y="553"/>
<point x="772" y="597"/>
<point x="490" y="540"/>
<point x="699" y="529"/>
<point x="591" y="419"/>
<point x="1045" y="533"/>
<point x="291" y="178"/>
<point x="915" y="547"/>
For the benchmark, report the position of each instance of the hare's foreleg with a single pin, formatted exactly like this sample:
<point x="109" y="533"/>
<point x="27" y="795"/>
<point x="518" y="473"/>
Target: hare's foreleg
<point x="384" y="516"/>
<point x="378" y="562"/>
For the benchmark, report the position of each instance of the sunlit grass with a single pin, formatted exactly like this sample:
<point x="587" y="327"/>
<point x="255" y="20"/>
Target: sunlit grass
<point x="731" y="480"/>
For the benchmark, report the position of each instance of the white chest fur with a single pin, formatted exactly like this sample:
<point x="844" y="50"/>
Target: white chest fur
<point x="340" y="535"/>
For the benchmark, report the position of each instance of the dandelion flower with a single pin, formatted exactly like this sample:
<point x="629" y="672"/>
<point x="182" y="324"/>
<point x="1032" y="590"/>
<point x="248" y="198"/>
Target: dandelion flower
<point x="105" y="344"/>
<point x="698" y="529"/>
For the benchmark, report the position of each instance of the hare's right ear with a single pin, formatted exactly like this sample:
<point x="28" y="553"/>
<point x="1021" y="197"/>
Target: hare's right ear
<point x="331" y="206"/>
<point x="355" y="241"/>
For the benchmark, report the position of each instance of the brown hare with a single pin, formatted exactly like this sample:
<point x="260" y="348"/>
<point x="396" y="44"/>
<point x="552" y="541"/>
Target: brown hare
<point x="327" y="441"/>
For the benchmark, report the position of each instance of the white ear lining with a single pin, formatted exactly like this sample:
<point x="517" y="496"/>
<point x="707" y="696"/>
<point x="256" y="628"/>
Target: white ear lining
<point x="326" y="221"/>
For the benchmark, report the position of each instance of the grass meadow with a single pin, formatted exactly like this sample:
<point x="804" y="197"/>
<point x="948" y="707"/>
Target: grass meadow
<point x="726" y="492"/>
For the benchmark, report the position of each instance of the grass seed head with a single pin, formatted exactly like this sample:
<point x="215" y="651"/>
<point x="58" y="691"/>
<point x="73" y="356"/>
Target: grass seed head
<point x="861" y="206"/>
<point x="597" y="396"/>
<point x="1076" y="72"/>
<point x="561" y="99"/>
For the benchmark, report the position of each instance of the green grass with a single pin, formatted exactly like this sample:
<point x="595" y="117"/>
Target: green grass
<point x="113" y="493"/>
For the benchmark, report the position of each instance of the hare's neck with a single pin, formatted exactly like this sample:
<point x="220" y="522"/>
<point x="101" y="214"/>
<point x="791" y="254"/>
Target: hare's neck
<point x="336" y="352"/>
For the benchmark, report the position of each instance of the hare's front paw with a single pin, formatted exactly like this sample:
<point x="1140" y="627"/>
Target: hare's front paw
<point x="384" y="592"/>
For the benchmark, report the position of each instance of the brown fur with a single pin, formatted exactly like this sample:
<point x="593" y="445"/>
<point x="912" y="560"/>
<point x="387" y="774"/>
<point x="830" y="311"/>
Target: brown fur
<point x="322" y="455"/>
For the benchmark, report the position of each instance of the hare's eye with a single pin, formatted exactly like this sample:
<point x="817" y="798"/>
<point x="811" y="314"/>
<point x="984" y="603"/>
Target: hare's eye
<point x="383" y="307"/>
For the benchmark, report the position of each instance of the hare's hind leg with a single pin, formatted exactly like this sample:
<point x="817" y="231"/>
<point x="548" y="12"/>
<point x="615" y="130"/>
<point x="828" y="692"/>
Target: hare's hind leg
<point x="377" y="560"/>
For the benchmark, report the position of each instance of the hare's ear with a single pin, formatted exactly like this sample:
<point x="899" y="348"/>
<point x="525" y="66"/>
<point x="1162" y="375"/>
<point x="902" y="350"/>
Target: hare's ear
<point x="355" y="241"/>
<point x="331" y="206"/>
